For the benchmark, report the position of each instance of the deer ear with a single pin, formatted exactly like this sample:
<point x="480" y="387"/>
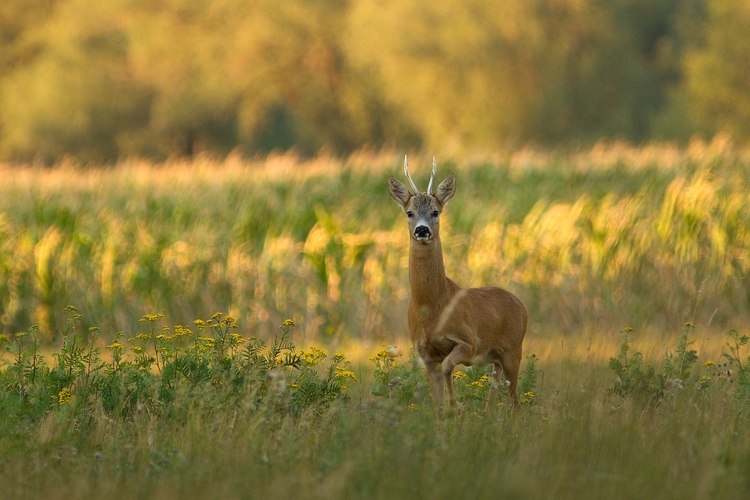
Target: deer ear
<point x="446" y="190"/>
<point x="398" y="191"/>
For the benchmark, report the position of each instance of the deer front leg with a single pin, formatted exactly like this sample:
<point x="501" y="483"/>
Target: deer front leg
<point x="461" y="352"/>
<point x="435" y="379"/>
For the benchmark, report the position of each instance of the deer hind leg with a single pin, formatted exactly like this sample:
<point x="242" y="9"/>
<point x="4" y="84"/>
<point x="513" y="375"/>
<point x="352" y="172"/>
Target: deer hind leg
<point x="495" y="384"/>
<point x="511" y="364"/>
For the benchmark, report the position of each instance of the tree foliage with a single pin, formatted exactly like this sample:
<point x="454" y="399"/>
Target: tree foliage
<point x="100" y="80"/>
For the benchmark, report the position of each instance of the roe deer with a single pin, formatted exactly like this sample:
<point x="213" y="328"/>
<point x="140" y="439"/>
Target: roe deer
<point x="450" y="325"/>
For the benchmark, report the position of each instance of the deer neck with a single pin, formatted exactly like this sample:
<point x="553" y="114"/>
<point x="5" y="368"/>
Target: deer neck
<point x="427" y="272"/>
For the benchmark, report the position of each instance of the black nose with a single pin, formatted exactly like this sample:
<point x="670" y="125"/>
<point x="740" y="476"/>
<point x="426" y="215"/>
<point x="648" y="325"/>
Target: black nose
<point x="422" y="232"/>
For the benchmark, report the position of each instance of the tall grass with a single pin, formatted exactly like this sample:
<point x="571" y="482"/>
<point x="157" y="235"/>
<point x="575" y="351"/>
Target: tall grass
<point x="654" y="238"/>
<point x="676" y="429"/>
<point x="605" y="238"/>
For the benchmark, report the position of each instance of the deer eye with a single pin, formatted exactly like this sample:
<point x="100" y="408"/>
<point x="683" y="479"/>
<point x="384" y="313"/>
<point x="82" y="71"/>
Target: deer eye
<point x="435" y="213"/>
<point x="410" y="214"/>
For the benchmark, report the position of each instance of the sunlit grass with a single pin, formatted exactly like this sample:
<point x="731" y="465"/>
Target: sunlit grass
<point x="224" y="416"/>
<point x="649" y="237"/>
<point x="647" y="242"/>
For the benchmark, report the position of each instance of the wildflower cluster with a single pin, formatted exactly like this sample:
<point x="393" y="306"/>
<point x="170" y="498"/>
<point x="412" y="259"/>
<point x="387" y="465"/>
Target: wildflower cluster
<point x="733" y="367"/>
<point x="403" y="383"/>
<point x="643" y="381"/>
<point x="64" y="396"/>
<point x="313" y="357"/>
<point x="151" y="368"/>
<point x="472" y="386"/>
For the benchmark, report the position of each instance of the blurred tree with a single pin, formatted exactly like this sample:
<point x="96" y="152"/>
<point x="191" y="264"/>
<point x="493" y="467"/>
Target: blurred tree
<point x="178" y="51"/>
<point x="482" y="74"/>
<point x="74" y="95"/>
<point x="16" y="16"/>
<point x="717" y="74"/>
<point x="176" y="77"/>
<point x="299" y="86"/>
<point x="451" y="68"/>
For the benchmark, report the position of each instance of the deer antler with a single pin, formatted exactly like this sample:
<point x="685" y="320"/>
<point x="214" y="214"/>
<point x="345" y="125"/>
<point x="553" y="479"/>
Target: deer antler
<point x="432" y="177"/>
<point x="408" y="177"/>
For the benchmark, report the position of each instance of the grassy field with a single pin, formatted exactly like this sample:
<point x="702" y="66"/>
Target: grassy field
<point x="301" y="254"/>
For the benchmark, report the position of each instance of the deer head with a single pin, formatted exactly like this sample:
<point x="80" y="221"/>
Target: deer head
<point x="422" y="209"/>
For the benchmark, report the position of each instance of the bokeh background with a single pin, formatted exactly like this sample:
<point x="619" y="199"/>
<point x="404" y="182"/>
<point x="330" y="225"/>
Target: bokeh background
<point x="600" y="149"/>
<point x="155" y="78"/>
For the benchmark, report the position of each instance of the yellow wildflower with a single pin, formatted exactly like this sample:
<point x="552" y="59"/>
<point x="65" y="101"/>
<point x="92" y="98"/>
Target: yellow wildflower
<point x="313" y="357"/>
<point x="341" y="373"/>
<point x="114" y="345"/>
<point x="389" y="353"/>
<point x="64" y="396"/>
<point x="709" y="363"/>
<point x="236" y="338"/>
<point x="181" y="331"/>
<point x="228" y="320"/>
<point x="460" y="375"/>
<point x="288" y="322"/>
<point x="151" y="317"/>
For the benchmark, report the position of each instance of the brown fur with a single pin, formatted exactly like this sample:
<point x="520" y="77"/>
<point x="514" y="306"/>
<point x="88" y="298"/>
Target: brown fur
<point x="450" y="325"/>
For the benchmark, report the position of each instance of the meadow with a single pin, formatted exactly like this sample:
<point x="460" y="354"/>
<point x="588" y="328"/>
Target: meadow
<point x="122" y="379"/>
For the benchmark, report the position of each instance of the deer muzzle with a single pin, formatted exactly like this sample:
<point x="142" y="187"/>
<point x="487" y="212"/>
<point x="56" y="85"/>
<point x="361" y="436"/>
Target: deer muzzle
<point x="422" y="233"/>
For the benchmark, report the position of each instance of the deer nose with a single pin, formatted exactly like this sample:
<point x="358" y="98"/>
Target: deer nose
<point x="422" y="232"/>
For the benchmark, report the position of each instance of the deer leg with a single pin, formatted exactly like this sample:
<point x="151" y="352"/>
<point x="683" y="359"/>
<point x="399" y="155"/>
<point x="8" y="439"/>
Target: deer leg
<point x="449" y="384"/>
<point x="495" y="383"/>
<point x="459" y="353"/>
<point x="435" y="379"/>
<point x="511" y="364"/>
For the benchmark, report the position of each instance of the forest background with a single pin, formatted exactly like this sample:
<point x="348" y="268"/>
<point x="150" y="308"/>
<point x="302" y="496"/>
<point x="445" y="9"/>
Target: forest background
<point x="100" y="81"/>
